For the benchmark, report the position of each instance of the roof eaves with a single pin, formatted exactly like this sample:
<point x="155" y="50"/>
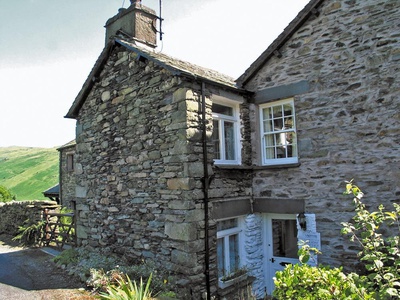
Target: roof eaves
<point x="287" y="33"/>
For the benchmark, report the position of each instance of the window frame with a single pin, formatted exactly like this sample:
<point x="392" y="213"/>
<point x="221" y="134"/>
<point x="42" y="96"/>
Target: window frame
<point x="235" y="119"/>
<point x="70" y="160"/>
<point x="225" y="235"/>
<point x="277" y="161"/>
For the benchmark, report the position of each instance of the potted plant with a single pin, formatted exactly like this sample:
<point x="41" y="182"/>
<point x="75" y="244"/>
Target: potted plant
<point x="232" y="277"/>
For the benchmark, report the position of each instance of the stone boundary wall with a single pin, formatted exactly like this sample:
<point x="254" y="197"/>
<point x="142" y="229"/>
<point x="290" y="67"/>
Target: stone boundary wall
<point x="13" y="214"/>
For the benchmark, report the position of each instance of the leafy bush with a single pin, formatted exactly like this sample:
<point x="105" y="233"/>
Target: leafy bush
<point x="305" y="282"/>
<point x="100" y="278"/>
<point x="125" y="289"/>
<point x="380" y="253"/>
<point x="30" y="233"/>
<point x="69" y="256"/>
<point x="99" y="271"/>
<point x="6" y="195"/>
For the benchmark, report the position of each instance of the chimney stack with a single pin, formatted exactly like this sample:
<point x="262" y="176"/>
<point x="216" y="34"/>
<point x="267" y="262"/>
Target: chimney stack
<point x="137" y="21"/>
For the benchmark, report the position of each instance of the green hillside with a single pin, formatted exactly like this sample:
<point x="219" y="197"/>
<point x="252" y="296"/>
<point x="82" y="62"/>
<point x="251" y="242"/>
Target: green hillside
<point x="27" y="172"/>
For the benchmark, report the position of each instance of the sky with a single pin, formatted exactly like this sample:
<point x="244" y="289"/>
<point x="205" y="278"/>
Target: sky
<point x="48" y="47"/>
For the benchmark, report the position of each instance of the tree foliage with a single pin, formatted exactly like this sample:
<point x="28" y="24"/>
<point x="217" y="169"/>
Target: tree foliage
<point x="5" y="194"/>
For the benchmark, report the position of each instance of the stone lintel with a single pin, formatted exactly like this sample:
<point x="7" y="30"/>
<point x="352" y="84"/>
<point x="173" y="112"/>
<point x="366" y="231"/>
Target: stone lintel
<point x="222" y="209"/>
<point x="281" y="206"/>
<point x="281" y="92"/>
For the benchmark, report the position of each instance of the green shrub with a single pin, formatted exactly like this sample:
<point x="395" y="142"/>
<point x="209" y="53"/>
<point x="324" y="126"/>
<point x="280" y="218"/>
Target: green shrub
<point x="30" y="233"/>
<point x="100" y="277"/>
<point x="378" y="234"/>
<point x="6" y="195"/>
<point x="125" y="289"/>
<point x="304" y="282"/>
<point x="99" y="270"/>
<point x="66" y="257"/>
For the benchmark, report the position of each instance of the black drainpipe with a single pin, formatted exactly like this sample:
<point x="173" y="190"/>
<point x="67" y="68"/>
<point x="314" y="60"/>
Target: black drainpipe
<point x="206" y="184"/>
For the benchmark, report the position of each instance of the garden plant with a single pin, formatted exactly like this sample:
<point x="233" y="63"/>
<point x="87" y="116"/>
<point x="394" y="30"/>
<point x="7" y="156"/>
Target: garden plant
<point x="377" y="233"/>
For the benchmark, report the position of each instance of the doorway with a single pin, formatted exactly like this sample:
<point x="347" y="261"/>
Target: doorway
<point x="280" y="248"/>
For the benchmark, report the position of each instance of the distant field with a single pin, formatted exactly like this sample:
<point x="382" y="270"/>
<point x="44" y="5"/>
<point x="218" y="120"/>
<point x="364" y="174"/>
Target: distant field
<point x="27" y="172"/>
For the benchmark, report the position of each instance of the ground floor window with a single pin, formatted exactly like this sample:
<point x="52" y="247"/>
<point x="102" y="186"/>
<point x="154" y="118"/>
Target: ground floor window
<point x="228" y="246"/>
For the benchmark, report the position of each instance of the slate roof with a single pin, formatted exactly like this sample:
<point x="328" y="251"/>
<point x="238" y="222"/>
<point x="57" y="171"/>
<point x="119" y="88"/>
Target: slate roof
<point x="53" y="191"/>
<point x="273" y="49"/>
<point x="175" y="66"/>
<point x="67" y="145"/>
<point x="180" y="67"/>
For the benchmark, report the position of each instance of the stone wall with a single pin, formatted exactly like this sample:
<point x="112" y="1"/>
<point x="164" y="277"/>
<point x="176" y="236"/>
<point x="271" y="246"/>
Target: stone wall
<point x="14" y="213"/>
<point x="139" y="168"/>
<point x="348" y="122"/>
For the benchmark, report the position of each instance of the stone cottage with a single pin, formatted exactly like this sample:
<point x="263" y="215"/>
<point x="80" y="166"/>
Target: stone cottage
<point x="204" y="175"/>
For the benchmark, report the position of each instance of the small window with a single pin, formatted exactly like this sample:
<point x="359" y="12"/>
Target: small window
<point x="228" y="246"/>
<point x="70" y="162"/>
<point x="278" y="133"/>
<point x="225" y="135"/>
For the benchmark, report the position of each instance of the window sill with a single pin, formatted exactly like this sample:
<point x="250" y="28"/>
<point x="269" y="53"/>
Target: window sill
<point x="242" y="167"/>
<point x="278" y="166"/>
<point x="229" y="291"/>
<point x="228" y="283"/>
<point x="236" y="167"/>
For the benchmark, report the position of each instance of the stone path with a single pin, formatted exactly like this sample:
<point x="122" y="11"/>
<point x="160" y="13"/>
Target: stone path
<point x="30" y="273"/>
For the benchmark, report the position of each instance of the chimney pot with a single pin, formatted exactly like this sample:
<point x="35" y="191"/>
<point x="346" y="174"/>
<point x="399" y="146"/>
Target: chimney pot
<point x="136" y="21"/>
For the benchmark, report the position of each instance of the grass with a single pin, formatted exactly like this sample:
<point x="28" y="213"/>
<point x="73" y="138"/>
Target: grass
<point x="27" y="171"/>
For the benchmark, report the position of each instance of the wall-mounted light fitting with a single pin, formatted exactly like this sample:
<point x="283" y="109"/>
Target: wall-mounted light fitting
<point x="302" y="221"/>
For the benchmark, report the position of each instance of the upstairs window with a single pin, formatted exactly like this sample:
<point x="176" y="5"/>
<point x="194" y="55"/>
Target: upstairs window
<point x="278" y="133"/>
<point x="70" y="162"/>
<point x="225" y="136"/>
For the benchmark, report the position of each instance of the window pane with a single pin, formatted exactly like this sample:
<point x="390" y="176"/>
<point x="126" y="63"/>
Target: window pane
<point x="277" y="111"/>
<point x="267" y="113"/>
<point x="284" y="238"/>
<point x="288" y="109"/>
<point x="221" y="257"/>
<point x="233" y="253"/>
<point x="229" y="141"/>
<point x="288" y="122"/>
<point x="278" y="124"/>
<point x="216" y="139"/>
<point x="269" y="146"/>
<point x="222" y="109"/>
<point x="268" y="125"/>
